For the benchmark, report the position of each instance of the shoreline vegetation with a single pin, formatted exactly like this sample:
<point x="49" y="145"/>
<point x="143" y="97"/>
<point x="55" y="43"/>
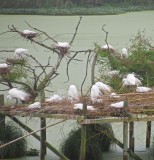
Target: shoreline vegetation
<point x="77" y="10"/>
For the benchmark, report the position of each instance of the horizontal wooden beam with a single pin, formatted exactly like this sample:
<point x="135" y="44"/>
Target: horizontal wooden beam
<point x="42" y="115"/>
<point x="118" y="119"/>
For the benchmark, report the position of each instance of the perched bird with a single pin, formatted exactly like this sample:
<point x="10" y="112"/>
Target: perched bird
<point x="107" y="47"/>
<point x="113" y="73"/>
<point x="143" y="89"/>
<point x="118" y="104"/>
<point x="54" y="98"/>
<point x="95" y="94"/>
<point x="4" y="65"/>
<point x="63" y="47"/>
<point x="35" y="105"/>
<point x="124" y="53"/>
<point x="114" y="95"/>
<point x="73" y="95"/>
<point x="131" y="80"/>
<point x="17" y="94"/>
<point x="104" y="88"/>
<point x="20" y="53"/>
<point x="80" y="106"/>
<point x="28" y="34"/>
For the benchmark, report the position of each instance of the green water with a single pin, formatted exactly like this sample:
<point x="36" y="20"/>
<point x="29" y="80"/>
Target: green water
<point x="120" y="27"/>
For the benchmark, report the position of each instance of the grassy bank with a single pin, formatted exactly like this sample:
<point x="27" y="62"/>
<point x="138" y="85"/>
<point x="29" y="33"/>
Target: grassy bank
<point x="103" y="10"/>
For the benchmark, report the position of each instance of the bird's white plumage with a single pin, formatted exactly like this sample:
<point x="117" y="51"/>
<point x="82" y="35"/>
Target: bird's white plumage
<point x="103" y="87"/>
<point x="106" y="47"/>
<point x="124" y="53"/>
<point x="63" y="45"/>
<point x="113" y="73"/>
<point x="73" y="95"/>
<point x="114" y="95"/>
<point x="3" y="65"/>
<point x="117" y="104"/>
<point x="26" y="31"/>
<point x="35" y="105"/>
<point x="20" y="53"/>
<point x="54" y="98"/>
<point x="80" y="106"/>
<point x="15" y="93"/>
<point x="131" y="80"/>
<point x="95" y="94"/>
<point x="143" y="89"/>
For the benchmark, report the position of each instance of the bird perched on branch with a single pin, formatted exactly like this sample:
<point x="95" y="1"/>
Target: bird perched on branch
<point x="28" y="34"/>
<point x="73" y="95"/>
<point x="20" y="53"/>
<point x="63" y="47"/>
<point x="124" y="53"/>
<point x="17" y="94"/>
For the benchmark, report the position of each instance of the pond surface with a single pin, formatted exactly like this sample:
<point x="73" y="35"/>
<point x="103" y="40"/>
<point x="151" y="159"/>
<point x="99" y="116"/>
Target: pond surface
<point x="120" y="27"/>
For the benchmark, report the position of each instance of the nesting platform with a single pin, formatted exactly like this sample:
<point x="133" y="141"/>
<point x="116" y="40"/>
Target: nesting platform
<point x="138" y="104"/>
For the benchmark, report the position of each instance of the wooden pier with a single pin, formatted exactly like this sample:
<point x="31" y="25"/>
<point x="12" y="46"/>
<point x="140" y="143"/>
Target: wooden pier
<point x="137" y="107"/>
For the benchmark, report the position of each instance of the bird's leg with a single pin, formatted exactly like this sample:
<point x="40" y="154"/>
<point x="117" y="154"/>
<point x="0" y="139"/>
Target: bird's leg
<point x="16" y="102"/>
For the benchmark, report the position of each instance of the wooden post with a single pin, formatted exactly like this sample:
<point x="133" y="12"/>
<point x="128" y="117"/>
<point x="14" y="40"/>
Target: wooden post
<point x="131" y="136"/>
<point x="83" y="135"/>
<point x="43" y="132"/>
<point x="148" y="134"/>
<point x="125" y="134"/>
<point x="43" y="139"/>
<point x="2" y="120"/>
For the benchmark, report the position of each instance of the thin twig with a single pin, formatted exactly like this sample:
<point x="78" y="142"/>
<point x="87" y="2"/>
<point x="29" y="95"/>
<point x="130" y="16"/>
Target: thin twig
<point x="76" y="30"/>
<point x="85" y="74"/>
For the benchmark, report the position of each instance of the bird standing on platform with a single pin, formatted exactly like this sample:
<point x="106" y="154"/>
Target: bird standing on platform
<point x="35" y="105"/>
<point x="95" y="94"/>
<point x="143" y="89"/>
<point x="104" y="88"/>
<point x="73" y="95"/>
<point x="131" y="80"/>
<point x="17" y="94"/>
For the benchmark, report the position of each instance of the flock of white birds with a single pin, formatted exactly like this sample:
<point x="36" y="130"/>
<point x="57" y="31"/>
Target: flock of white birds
<point x="97" y="90"/>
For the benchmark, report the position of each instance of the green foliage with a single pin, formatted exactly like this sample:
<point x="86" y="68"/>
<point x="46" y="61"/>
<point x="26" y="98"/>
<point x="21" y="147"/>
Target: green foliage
<point x="140" y="60"/>
<point x="97" y="142"/>
<point x="16" y="149"/>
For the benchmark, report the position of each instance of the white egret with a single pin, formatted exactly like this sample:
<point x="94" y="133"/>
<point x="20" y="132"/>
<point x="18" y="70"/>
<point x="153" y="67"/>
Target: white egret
<point x="73" y="95"/>
<point x="114" y="95"/>
<point x="108" y="47"/>
<point x="143" y="89"/>
<point x="35" y="105"/>
<point x="62" y="45"/>
<point x="103" y="87"/>
<point x="124" y="53"/>
<point x="54" y="98"/>
<point x="113" y="73"/>
<point x="17" y="94"/>
<point x="80" y="106"/>
<point x="4" y="65"/>
<point x="131" y="80"/>
<point x="117" y="104"/>
<point x="20" y="53"/>
<point x="28" y="34"/>
<point x="95" y="94"/>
